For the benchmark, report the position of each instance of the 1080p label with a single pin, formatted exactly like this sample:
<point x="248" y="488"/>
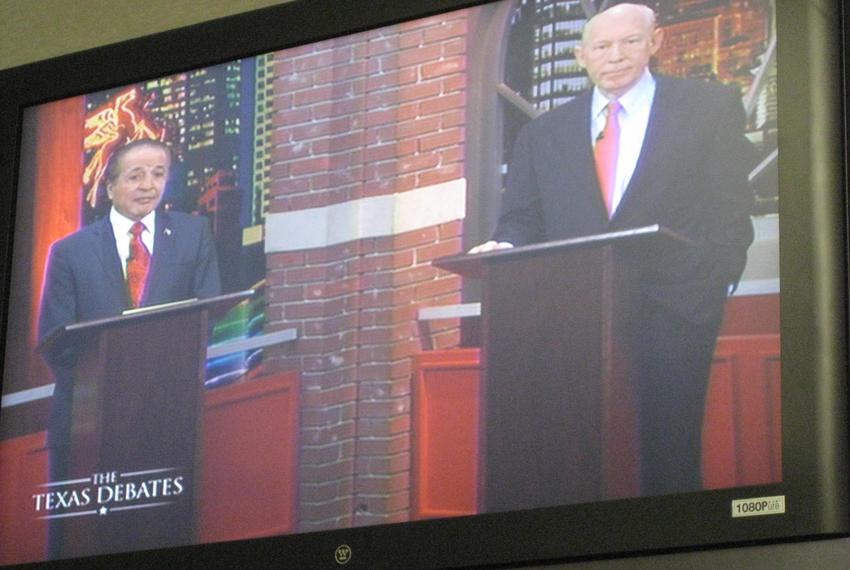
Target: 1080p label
<point x="758" y="506"/>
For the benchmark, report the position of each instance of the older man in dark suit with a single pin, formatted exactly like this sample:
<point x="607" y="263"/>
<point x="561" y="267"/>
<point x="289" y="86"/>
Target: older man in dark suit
<point x="641" y="150"/>
<point x="135" y="256"/>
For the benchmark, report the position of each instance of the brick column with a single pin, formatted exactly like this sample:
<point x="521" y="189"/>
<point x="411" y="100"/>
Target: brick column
<point x="367" y="188"/>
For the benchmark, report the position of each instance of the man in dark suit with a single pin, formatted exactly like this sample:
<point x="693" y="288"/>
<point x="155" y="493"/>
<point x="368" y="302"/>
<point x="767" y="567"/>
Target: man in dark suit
<point x="641" y="150"/>
<point x="136" y="256"/>
<point x="108" y="266"/>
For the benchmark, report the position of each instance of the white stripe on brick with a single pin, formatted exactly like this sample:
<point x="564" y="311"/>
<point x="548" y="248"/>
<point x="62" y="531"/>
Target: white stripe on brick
<point x="377" y="216"/>
<point x="450" y="311"/>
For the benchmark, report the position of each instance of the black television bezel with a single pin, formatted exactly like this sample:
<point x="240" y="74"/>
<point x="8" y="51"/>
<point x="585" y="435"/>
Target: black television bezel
<point x="814" y="252"/>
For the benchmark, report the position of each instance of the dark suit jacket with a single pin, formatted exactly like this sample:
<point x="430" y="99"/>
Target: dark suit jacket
<point x="84" y="281"/>
<point x="691" y="177"/>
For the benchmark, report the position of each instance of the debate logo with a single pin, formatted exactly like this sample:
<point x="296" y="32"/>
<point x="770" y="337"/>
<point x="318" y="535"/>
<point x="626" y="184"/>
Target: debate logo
<point x="108" y="492"/>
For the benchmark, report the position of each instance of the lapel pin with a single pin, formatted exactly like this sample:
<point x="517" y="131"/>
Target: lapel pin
<point x="167" y="231"/>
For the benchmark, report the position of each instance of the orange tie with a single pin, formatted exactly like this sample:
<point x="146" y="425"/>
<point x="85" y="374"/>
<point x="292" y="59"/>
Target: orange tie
<point x="137" y="265"/>
<point x="605" y="152"/>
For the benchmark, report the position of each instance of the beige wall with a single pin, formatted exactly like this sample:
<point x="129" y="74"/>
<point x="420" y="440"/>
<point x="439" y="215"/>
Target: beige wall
<point x="31" y="30"/>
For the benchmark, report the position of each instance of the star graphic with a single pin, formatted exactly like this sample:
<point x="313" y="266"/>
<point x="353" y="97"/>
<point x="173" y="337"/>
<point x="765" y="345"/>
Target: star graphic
<point x="102" y="511"/>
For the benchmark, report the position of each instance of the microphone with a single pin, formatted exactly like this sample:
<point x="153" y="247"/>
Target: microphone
<point x="600" y="136"/>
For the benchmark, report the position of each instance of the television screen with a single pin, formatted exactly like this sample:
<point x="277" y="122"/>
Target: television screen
<point x="397" y="285"/>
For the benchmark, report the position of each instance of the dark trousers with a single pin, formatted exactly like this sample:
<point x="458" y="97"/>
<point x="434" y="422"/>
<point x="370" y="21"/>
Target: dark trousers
<point x="674" y="363"/>
<point x="58" y="458"/>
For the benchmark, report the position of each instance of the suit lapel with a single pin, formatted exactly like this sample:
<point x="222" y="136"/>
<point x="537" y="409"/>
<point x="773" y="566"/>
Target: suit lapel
<point x="107" y="253"/>
<point x="163" y="252"/>
<point x="578" y="165"/>
<point x="661" y="128"/>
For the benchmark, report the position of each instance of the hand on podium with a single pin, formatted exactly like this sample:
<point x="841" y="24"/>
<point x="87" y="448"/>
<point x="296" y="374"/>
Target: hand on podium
<point x="491" y="245"/>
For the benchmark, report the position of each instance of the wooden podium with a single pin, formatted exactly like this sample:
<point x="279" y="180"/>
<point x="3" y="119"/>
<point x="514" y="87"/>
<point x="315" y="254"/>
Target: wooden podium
<point x="559" y="416"/>
<point x="135" y="421"/>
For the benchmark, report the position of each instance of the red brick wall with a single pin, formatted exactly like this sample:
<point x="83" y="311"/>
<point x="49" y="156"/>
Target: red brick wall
<point x="375" y="114"/>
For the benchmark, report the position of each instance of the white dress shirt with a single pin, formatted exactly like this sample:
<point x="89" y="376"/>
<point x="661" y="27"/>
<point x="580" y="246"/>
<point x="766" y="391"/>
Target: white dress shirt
<point x="633" y="119"/>
<point x="121" y="228"/>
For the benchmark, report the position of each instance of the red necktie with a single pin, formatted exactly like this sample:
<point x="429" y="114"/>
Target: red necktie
<point x="137" y="265"/>
<point x="606" y="150"/>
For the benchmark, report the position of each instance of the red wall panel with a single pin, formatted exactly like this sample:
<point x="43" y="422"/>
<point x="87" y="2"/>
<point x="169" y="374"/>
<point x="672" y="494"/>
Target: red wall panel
<point x="249" y="455"/>
<point x="742" y="439"/>
<point x="742" y="434"/>
<point x="23" y="465"/>
<point x="445" y="433"/>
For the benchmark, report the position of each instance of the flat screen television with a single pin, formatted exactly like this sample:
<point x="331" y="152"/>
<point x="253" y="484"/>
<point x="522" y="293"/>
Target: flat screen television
<point x="335" y="150"/>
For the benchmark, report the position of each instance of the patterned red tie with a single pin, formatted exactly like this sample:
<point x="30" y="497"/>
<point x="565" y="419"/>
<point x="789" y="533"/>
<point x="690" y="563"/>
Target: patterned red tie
<point x="606" y="150"/>
<point x="137" y="265"/>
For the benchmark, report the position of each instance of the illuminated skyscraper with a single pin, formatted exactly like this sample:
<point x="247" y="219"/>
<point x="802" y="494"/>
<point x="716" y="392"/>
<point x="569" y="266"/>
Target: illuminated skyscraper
<point x="219" y="109"/>
<point x="167" y="103"/>
<point x="557" y="75"/>
<point x="714" y="40"/>
<point x="258" y="206"/>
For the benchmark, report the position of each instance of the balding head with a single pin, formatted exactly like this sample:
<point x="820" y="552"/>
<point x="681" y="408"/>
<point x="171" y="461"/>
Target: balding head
<point x="638" y="11"/>
<point x="617" y="45"/>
